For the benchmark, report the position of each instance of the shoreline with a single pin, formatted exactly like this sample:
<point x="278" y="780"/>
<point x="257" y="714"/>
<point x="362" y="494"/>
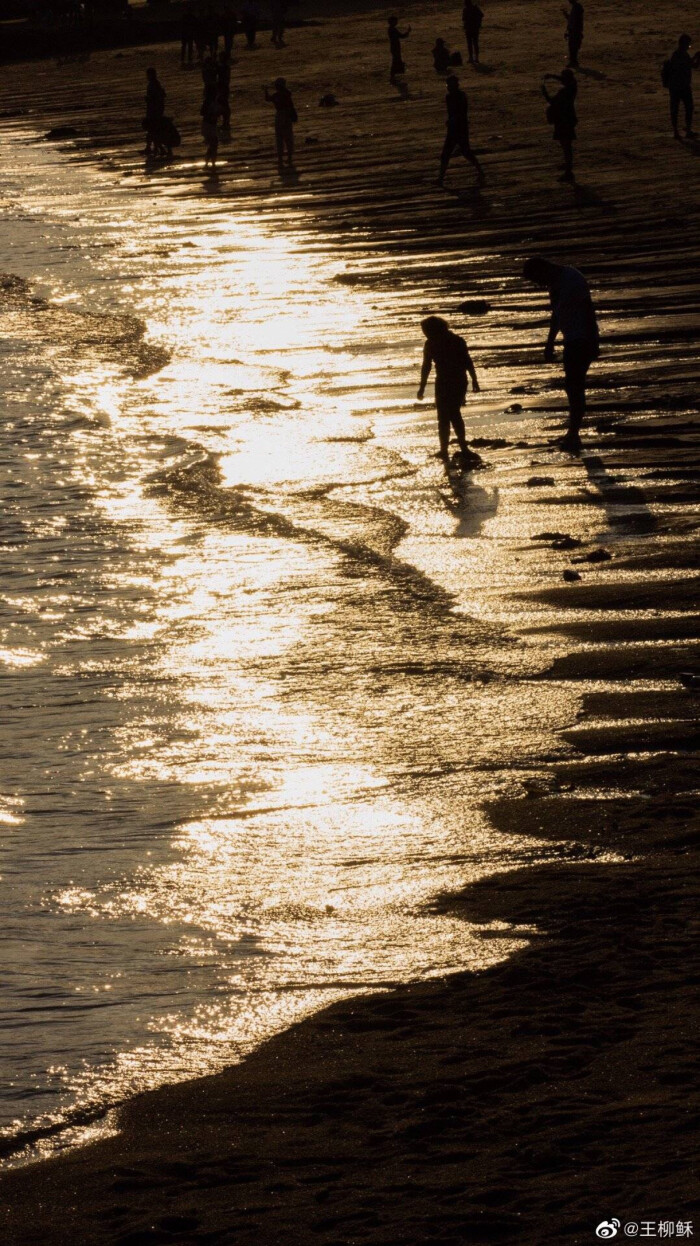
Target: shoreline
<point x="526" y="1102"/>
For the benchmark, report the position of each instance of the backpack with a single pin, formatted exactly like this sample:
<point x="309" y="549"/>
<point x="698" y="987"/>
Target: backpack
<point x="666" y="74"/>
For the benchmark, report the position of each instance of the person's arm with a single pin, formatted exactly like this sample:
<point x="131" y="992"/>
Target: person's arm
<point x="551" y="337"/>
<point x="546" y="94"/>
<point x="425" y="370"/>
<point x="472" y="372"/>
<point x="268" y="97"/>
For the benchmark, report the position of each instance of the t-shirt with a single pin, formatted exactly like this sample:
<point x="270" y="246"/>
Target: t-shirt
<point x="284" y="106"/>
<point x="457" y="111"/>
<point x="572" y="303"/>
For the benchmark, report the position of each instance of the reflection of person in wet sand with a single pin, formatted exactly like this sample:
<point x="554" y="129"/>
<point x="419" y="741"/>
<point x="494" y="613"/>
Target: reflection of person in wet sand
<point x="573" y="315"/>
<point x="457" y="137"/>
<point x="285" y="118"/>
<point x="395" y="37"/>
<point x="561" y="114"/>
<point x="453" y="364"/>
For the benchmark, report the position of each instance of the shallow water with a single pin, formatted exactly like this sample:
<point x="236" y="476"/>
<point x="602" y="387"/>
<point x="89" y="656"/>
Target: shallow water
<point x="262" y="665"/>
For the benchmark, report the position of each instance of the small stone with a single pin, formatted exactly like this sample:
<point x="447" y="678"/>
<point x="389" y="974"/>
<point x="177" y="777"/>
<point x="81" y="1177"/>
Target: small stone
<point x="540" y="482"/>
<point x="60" y="131"/>
<point x="475" y="307"/>
<point x="571" y="576"/>
<point x="598" y="555"/>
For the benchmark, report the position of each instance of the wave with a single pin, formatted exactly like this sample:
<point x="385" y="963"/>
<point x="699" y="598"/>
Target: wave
<point x="116" y="338"/>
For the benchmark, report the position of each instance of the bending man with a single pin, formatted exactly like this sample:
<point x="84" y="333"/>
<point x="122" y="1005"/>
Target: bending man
<point x="573" y="315"/>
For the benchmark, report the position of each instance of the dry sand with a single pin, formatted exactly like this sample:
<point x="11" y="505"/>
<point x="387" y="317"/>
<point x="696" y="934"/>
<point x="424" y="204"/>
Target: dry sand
<point x="529" y="1102"/>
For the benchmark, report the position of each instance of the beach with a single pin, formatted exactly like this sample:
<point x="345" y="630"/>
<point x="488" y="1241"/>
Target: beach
<point x="551" y="1086"/>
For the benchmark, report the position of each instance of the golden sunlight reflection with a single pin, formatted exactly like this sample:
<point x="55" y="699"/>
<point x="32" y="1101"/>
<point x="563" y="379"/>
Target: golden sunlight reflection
<point x="279" y="664"/>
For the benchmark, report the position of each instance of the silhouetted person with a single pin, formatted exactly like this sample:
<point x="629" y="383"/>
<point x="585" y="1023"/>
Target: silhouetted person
<point x="457" y="137"/>
<point x="561" y="115"/>
<point x="249" y="23"/>
<point x="278" y="12"/>
<point x="573" y="315"/>
<point x="574" y="30"/>
<point x="472" y="17"/>
<point x="285" y="119"/>
<point x="155" y="109"/>
<point x="200" y="32"/>
<point x="395" y="37"/>
<point x="441" y="56"/>
<point x="223" y="89"/>
<point x="187" y="34"/>
<point x="678" y="77"/>
<point x="453" y="364"/>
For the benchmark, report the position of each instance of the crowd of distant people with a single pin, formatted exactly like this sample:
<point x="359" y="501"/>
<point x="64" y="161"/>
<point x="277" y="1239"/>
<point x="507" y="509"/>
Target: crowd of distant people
<point x="572" y="311"/>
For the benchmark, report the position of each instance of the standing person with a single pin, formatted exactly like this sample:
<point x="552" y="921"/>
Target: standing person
<point x="573" y="315"/>
<point x="187" y="34"/>
<point x="453" y="363"/>
<point x="678" y="78"/>
<point x="472" y="17"/>
<point x="285" y="119"/>
<point x="574" y="30"/>
<point x="278" y="13"/>
<point x="561" y="114"/>
<point x="457" y="136"/>
<point x="155" y="109"/>
<point x="223" y="89"/>
<point x="395" y="37"/>
<point x="249" y="23"/>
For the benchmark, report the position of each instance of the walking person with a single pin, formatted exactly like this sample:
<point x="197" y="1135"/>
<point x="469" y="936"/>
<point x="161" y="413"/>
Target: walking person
<point x="285" y="120"/>
<point x="155" y="110"/>
<point x="573" y="315"/>
<point x="561" y="115"/>
<point x="453" y="365"/>
<point x="574" y="30"/>
<point x="472" y="17"/>
<point x="457" y="137"/>
<point x="395" y="37"/>
<point x="677" y="77"/>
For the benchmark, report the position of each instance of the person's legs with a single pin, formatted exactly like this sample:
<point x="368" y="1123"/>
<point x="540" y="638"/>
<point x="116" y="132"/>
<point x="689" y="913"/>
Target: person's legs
<point x="577" y="361"/>
<point x="574" y="45"/>
<point x="289" y="143"/>
<point x="444" y="419"/>
<point x="674" y="100"/>
<point x="688" y="105"/>
<point x="447" y="149"/>
<point x="468" y="154"/>
<point x="568" y="150"/>
<point x="475" y="43"/>
<point x="470" y="48"/>
<point x="279" y="140"/>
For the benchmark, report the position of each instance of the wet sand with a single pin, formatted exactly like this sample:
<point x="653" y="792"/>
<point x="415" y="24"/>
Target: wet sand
<point x="529" y="1102"/>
